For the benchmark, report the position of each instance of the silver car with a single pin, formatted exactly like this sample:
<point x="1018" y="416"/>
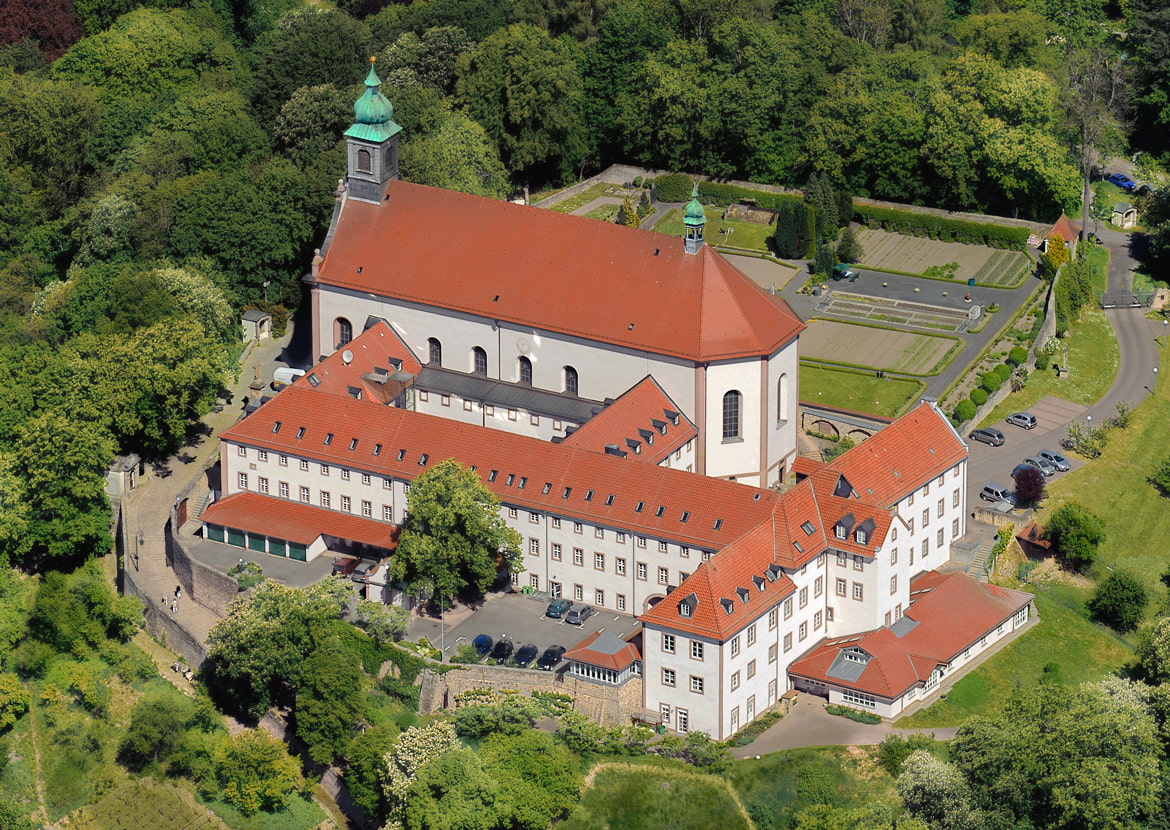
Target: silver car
<point x="1055" y="459"/>
<point x="1041" y="464"/>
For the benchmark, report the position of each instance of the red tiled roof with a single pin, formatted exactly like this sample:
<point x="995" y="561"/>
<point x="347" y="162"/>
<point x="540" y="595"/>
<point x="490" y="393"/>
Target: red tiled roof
<point x="583" y="653"/>
<point x="952" y="611"/>
<point x="803" y="465"/>
<point x="1068" y="230"/>
<point x="375" y="353"/>
<point x="529" y="266"/>
<point x="902" y="457"/>
<point x="629" y="417"/>
<point x="296" y="522"/>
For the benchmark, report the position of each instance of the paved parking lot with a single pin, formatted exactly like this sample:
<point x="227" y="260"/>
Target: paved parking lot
<point x="521" y="618"/>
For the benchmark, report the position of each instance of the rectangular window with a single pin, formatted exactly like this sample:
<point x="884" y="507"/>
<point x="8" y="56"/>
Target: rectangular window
<point x="304" y="494"/>
<point x="841" y="559"/>
<point x="734" y="646"/>
<point x="262" y="455"/>
<point x="925" y="548"/>
<point x="304" y="464"/>
<point x="696" y="650"/>
<point x="751" y="634"/>
<point x="818" y="586"/>
<point x="788" y="608"/>
<point x="894" y="556"/>
<point x="696" y="685"/>
<point x="938" y="538"/>
<point x="621" y="538"/>
<point x="941" y="508"/>
<point x="578" y="556"/>
<point x="926" y="518"/>
<point x="242" y="451"/>
<point x="578" y="593"/>
<point x="910" y="526"/>
<point x="858" y="591"/>
<point x="954" y="498"/>
<point x="344" y="474"/>
<point x="772" y="653"/>
<point x="346" y="504"/>
<point x="556" y="551"/>
<point x="817" y="620"/>
<point x="858" y="562"/>
<point x="262" y="484"/>
<point x="668" y="677"/>
<point x="803" y="597"/>
<point x="387" y="483"/>
<point x="734" y="681"/>
<point x="513" y="513"/>
<point x="621" y="602"/>
<point x="387" y="513"/>
<point x="620" y="566"/>
<point x="599" y="597"/>
<point x="662" y="547"/>
<point x="641" y="541"/>
<point x="324" y="469"/>
<point x="243" y="480"/>
<point x="599" y="561"/>
<point x="788" y="642"/>
<point x="534" y="547"/>
<point x="842" y="587"/>
<point x="578" y="527"/>
<point x="773" y="615"/>
<point x="668" y="643"/>
<point x="663" y="576"/>
<point x="533" y="517"/>
<point x="802" y="632"/>
<point x="367" y="509"/>
<point x="282" y="461"/>
<point x="283" y="489"/>
<point x="534" y="582"/>
<point x="366" y="479"/>
<point x="894" y="584"/>
<point x="556" y="523"/>
<point x="598" y="533"/>
<point x="641" y="570"/>
<point x="954" y="528"/>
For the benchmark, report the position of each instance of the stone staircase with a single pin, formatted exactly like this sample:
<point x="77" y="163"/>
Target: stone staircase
<point x="978" y="566"/>
<point x="200" y="506"/>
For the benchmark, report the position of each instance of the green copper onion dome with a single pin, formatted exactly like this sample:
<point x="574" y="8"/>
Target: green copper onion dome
<point x="694" y="214"/>
<point x="373" y="113"/>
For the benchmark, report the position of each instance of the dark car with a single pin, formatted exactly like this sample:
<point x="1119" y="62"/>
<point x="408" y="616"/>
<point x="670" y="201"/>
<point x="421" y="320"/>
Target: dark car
<point x="343" y="565"/>
<point x="988" y="436"/>
<point x="483" y="644"/>
<point x="503" y="650"/>
<point x="525" y="655"/>
<point x="552" y="655"/>
<point x="578" y="614"/>
<point x="1022" y="419"/>
<point x="1122" y="181"/>
<point x="558" y="608"/>
<point x="1055" y="459"/>
<point x="1019" y="468"/>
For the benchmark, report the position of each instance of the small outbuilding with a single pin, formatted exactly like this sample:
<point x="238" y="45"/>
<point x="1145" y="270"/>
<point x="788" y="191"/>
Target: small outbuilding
<point x="256" y="325"/>
<point x="1124" y="216"/>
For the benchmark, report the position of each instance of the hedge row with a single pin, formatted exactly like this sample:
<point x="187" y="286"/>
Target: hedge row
<point x="989" y="382"/>
<point x="942" y="228"/>
<point x="676" y="187"/>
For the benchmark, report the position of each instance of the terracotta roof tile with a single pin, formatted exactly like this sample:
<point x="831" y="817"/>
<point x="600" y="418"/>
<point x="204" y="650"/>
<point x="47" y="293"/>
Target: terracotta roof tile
<point x="1068" y="230"/>
<point x="639" y="415"/>
<point x="528" y="266"/>
<point x="296" y="522"/>
<point x="610" y="657"/>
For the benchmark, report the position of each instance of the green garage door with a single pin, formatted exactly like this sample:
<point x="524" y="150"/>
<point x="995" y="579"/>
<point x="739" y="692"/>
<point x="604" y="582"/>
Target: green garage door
<point x="277" y="547"/>
<point x="235" y="537"/>
<point x="214" y="533"/>
<point x="297" y="552"/>
<point x="256" y="543"/>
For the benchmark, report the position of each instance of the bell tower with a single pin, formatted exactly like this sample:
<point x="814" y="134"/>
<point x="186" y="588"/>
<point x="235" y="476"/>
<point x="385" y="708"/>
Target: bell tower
<point x="694" y="219"/>
<point x="373" y="143"/>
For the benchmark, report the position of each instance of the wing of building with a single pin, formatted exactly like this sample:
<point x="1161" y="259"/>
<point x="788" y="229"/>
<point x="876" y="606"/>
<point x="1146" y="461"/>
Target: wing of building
<point x="631" y="399"/>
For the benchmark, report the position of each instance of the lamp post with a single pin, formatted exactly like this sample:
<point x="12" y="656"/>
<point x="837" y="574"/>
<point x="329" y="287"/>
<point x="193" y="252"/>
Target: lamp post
<point x="266" y="284"/>
<point x="1155" y="390"/>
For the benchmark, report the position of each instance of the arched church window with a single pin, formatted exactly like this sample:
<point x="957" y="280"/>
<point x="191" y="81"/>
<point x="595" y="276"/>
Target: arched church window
<point x="525" y="370"/>
<point x="434" y="351"/>
<point x="342" y="331"/>
<point x="479" y="361"/>
<point x="570" y="380"/>
<point x="731" y="415"/>
<point x="365" y="162"/>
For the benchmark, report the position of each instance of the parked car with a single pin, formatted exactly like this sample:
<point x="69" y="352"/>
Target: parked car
<point x="483" y="644"/>
<point x="1122" y="181"/>
<point x="988" y="436"/>
<point x="841" y="271"/>
<point x="558" y="608"/>
<point x="1040" y="464"/>
<point x="1022" y="419"/>
<point x="503" y="650"/>
<point x="1055" y="459"/>
<point x="525" y="655"/>
<point x="995" y="493"/>
<point x="282" y="376"/>
<point x="343" y="565"/>
<point x="578" y="614"/>
<point x="1019" y="468"/>
<point x="552" y="655"/>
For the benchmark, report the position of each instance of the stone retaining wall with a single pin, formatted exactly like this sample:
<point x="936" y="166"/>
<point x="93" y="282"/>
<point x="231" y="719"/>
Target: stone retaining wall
<point x="606" y="705"/>
<point x="854" y="425"/>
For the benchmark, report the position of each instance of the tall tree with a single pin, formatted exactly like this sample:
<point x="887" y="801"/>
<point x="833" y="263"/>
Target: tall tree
<point x="1119" y="601"/>
<point x="456" y="155"/>
<point x="1076" y="533"/>
<point x="1149" y="37"/>
<point x="329" y="700"/>
<point x="453" y="538"/>
<point x="255" y="772"/>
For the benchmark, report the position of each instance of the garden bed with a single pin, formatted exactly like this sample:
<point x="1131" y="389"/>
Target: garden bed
<point x="887" y="251"/>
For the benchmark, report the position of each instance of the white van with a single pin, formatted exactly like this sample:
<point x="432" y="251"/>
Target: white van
<point x="284" y="375"/>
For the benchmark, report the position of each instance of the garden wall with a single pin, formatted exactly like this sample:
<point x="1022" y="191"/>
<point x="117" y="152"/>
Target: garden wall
<point x="848" y="424"/>
<point x="606" y="705"/>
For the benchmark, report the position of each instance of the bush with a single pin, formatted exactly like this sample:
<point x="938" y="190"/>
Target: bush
<point x="841" y="446"/>
<point x="990" y="381"/>
<point x="1076" y="533"/>
<point x="894" y="750"/>
<point x="1161" y="478"/>
<point x="979" y="396"/>
<point x="637" y="181"/>
<point x="1017" y="356"/>
<point x="1119" y="602"/>
<point x="942" y="227"/>
<point x="965" y="411"/>
<point x="674" y="187"/>
<point x="853" y="714"/>
<point x="1003" y="371"/>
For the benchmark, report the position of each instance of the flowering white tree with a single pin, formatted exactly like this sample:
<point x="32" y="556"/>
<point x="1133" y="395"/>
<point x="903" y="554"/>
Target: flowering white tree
<point x="415" y="747"/>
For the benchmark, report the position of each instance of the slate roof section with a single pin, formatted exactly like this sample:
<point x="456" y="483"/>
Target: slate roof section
<point x="526" y="266"/>
<point x="950" y="612"/>
<point x="502" y="393"/>
<point x="605" y="650"/>
<point x="296" y="522"/>
<point x="645" y="415"/>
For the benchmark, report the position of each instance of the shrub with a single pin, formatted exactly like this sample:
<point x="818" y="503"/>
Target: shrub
<point x="1004" y="372"/>
<point x="990" y="381"/>
<point x="1018" y="355"/>
<point x="1119" y="602"/>
<point x="853" y="714"/>
<point x="979" y="396"/>
<point x="841" y="446"/>
<point x="994" y="307"/>
<point x="965" y="411"/>
<point x="637" y="181"/>
<point x="674" y="187"/>
<point x="1076" y="533"/>
<point x="894" y="750"/>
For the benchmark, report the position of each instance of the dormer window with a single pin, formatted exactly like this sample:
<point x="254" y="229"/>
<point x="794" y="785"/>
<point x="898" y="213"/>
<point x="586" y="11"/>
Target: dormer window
<point x="744" y="594"/>
<point x="728" y="605"/>
<point x="687" y="605"/>
<point x="859" y="536"/>
<point x="839" y="531"/>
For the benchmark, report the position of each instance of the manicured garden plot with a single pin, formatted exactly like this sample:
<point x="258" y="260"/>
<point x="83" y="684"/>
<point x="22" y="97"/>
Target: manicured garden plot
<point x="857" y="390"/>
<point x="903" y="352"/>
<point x="746" y="235"/>
<point x="880" y="309"/>
<point x="583" y="198"/>
<point x="604" y="213"/>
<point x="913" y="255"/>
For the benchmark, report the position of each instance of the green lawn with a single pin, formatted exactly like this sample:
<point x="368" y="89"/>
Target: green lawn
<point x="1081" y="651"/>
<point x="1093" y="359"/>
<point x="646" y="797"/>
<point x="1098" y="267"/>
<point x="861" y="391"/>
<point x="605" y="213"/>
<point x="778" y="786"/>
<point x="583" y="198"/>
<point x="746" y="235"/>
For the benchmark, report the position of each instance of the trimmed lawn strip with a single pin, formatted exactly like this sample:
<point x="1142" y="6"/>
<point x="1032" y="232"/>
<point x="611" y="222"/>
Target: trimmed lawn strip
<point x="1098" y="257"/>
<point x="650" y="797"/>
<point x="583" y="198"/>
<point x="778" y="786"/>
<point x="301" y="814"/>
<point x="919" y="347"/>
<point x="1080" y="650"/>
<point x="859" y="391"/>
<point x="605" y="213"/>
<point x="1093" y="360"/>
<point x="745" y="235"/>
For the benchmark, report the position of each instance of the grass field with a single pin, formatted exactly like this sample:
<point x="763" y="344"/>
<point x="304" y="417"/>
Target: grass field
<point x="1098" y="267"/>
<point x="746" y="235"/>
<point x="861" y="391"/>
<point x="605" y="213"/>
<point x="778" y="786"/>
<point x="903" y="352"/>
<point x="1093" y="359"/>
<point x="146" y="802"/>
<point x="626" y="796"/>
<point x="1081" y="651"/>
<point x="583" y="198"/>
<point x="913" y="255"/>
